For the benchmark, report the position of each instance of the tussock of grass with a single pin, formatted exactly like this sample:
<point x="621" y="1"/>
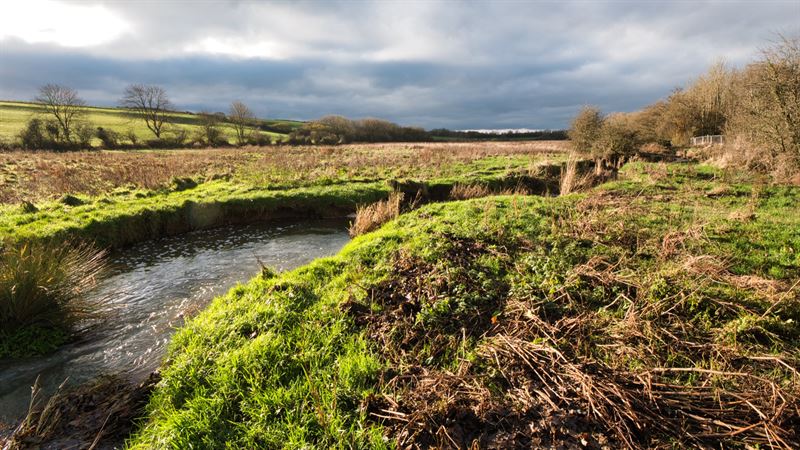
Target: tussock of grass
<point x="614" y="318"/>
<point x="372" y="216"/>
<point x="42" y="294"/>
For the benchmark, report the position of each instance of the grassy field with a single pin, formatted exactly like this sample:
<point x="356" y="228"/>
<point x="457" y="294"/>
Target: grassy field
<point x="14" y="116"/>
<point x="657" y="311"/>
<point x="116" y="198"/>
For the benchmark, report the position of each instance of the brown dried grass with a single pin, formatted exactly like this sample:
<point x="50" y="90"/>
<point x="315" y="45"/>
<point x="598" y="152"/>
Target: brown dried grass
<point x="38" y="175"/>
<point x="538" y="380"/>
<point x="463" y="191"/>
<point x="371" y="217"/>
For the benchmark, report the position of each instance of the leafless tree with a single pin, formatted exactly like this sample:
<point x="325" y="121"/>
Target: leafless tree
<point x="150" y="103"/>
<point x="64" y="104"/>
<point x="241" y="116"/>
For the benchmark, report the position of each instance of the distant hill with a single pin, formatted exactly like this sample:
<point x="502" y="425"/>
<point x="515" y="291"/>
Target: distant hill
<point x="14" y="115"/>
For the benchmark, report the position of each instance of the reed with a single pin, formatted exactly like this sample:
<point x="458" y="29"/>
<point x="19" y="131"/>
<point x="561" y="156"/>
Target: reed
<point x="43" y="287"/>
<point x="370" y="217"/>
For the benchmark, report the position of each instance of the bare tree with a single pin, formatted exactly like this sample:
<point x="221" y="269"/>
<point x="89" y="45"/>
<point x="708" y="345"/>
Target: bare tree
<point x="150" y="103"/>
<point x="241" y="116"/>
<point x="64" y="104"/>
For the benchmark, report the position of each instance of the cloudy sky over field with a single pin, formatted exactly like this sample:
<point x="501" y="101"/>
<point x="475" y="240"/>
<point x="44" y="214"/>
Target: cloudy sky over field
<point x="431" y="64"/>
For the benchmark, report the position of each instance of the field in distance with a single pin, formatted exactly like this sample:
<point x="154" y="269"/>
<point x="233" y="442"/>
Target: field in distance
<point x="14" y="116"/>
<point x="44" y="175"/>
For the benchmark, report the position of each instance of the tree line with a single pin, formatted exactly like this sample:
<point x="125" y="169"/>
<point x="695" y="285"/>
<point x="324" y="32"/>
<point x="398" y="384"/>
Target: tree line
<point x="341" y="130"/>
<point x="65" y="126"/>
<point x="756" y="108"/>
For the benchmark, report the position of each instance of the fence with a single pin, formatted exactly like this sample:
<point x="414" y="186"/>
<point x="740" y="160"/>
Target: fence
<point x="708" y="139"/>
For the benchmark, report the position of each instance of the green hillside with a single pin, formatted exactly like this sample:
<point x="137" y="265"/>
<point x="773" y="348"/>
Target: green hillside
<point x="14" y="115"/>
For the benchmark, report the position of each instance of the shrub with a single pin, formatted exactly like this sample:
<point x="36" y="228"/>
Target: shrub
<point x="585" y="129"/>
<point x="41" y="134"/>
<point x="617" y="139"/>
<point x="109" y="138"/>
<point x="259" y="139"/>
<point x="84" y="134"/>
<point x="33" y="136"/>
<point x="131" y="135"/>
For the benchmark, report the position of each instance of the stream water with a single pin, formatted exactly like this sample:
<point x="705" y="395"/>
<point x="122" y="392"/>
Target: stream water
<point x="151" y="288"/>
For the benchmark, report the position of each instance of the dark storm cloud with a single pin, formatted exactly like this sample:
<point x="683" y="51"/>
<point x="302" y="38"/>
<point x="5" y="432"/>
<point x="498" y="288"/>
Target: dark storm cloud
<point x="453" y="64"/>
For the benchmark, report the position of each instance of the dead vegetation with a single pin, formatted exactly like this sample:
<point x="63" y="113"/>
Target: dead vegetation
<point x="371" y="217"/>
<point x="463" y="191"/>
<point x="573" y="179"/>
<point x="611" y="355"/>
<point x="37" y="175"/>
<point x="93" y="416"/>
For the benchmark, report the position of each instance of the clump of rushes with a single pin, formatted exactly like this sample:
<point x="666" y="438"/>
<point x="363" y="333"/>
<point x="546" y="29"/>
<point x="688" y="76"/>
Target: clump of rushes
<point x="370" y="217"/>
<point x="42" y="294"/>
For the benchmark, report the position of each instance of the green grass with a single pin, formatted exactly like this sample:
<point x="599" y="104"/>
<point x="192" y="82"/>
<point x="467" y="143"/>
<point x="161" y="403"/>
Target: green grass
<point x="124" y="216"/>
<point x="296" y="360"/>
<point x="14" y="116"/>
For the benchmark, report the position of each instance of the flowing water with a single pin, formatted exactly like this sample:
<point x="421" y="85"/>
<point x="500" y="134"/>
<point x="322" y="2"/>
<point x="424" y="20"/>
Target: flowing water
<point x="150" y="290"/>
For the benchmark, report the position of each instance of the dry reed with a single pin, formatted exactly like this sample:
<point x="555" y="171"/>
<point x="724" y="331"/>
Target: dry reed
<point x="370" y="217"/>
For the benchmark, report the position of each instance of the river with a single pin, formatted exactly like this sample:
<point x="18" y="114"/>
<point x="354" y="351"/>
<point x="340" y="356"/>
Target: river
<point x="150" y="290"/>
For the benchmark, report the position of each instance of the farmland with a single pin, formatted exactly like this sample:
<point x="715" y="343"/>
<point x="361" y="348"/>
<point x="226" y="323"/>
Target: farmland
<point x="118" y="184"/>
<point x="14" y="116"/>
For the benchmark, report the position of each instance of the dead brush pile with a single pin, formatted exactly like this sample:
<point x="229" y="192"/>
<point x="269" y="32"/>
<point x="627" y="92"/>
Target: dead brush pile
<point x="570" y="341"/>
<point x="99" y="414"/>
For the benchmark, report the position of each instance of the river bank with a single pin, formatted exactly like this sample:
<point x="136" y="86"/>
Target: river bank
<point x="636" y="314"/>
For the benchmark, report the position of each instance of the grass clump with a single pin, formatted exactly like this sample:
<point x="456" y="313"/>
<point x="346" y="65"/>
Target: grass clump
<point x="370" y="217"/>
<point x="42" y="295"/>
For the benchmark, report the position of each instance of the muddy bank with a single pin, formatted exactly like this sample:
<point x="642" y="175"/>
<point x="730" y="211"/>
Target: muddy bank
<point x="98" y="415"/>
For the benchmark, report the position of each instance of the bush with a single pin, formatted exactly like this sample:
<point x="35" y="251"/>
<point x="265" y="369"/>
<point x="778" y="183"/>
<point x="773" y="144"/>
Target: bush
<point x="259" y="139"/>
<point x="41" y="134"/>
<point x="32" y="136"/>
<point x="131" y="135"/>
<point x="585" y="129"/>
<point x="84" y="134"/>
<point x="110" y="139"/>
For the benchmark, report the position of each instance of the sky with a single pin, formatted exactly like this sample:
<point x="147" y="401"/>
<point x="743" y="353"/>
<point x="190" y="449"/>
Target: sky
<point x="460" y="65"/>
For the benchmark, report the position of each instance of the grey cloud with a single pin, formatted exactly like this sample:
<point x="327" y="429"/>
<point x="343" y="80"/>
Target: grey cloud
<point x="453" y="64"/>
